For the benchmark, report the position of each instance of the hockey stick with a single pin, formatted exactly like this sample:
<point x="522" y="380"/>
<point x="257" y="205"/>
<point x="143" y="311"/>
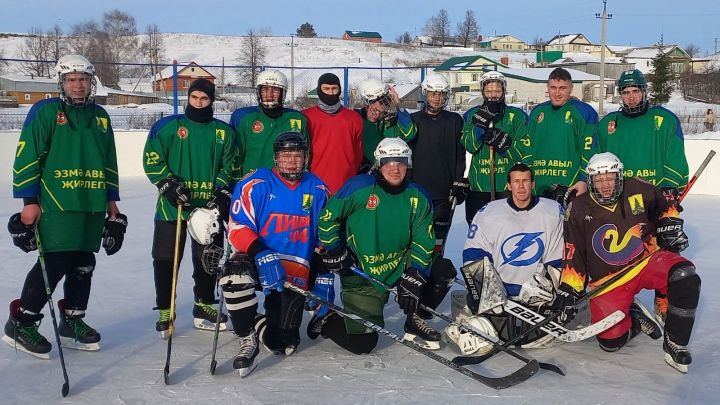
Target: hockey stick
<point x="213" y="362"/>
<point x="466" y="328"/>
<point x="41" y="258"/>
<point x="520" y="375"/>
<point x="492" y="173"/>
<point x="466" y="360"/>
<point x="697" y="174"/>
<point x="171" y="322"/>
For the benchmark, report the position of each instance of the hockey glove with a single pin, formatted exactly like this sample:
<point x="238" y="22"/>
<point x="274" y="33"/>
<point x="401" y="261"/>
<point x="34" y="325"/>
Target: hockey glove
<point x="672" y="196"/>
<point x="114" y="233"/>
<point x="409" y="290"/>
<point x="271" y="271"/>
<point x="324" y="288"/>
<point x="174" y="191"/>
<point x="23" y="236"/>
<point x="536" y="291"/>
<point x="483" y="117"/>
<point x="338" y="260"/>
<point x="565" y="302"/>
<point x="459" y="190"/>
<point x="221" y="200"/>
<point x="670" y="235"/>
<point x="498" y="139"/>
<point x="561" y="194"/>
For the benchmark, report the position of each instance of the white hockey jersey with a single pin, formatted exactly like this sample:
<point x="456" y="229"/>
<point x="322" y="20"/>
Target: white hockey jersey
<point x="517" y="241"/>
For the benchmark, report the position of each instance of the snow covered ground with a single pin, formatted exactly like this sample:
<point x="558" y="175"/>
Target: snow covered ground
<point x="128" y="369"/>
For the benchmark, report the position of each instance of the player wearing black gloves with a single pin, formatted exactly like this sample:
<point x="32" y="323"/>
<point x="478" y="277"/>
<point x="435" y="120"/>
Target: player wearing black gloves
<point x="616" y="224"/>
<point x="489" y="134"/>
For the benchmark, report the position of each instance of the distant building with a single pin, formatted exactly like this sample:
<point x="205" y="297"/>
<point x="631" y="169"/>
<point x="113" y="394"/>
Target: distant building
<point x="26" y="89"/>
<point x="187" y="73"/>
<point x="575" y="43"/>
<point x="502" y="43"/>
<point x="703" y="65"/>
<point x="364" y="36"/>
<point x="642" y="58"/>
<point x="461" y="70"/>
<point x="591" y="64"/>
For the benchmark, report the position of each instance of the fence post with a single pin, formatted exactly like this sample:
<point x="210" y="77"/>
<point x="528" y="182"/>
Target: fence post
<point x="346" y="92"/>
<point x="422" y="79"/>
<point x="175" y="87"/>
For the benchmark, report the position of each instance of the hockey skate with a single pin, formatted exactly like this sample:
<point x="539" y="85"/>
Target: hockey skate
<point x="163" y="324"/>
<point x="418" y="331"/>
<point x="676" y="356"/>
<point x="205" y="315"/>
<point x="643" y="321"/>
<point x="244" y="362"/>
<point x="315" y="325"/>
<point x="74" y="332"/>
<point x="21" y="332"/>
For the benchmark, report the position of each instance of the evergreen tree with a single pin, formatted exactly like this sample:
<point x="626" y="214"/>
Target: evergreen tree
<point x="306" y="30"/>
<point x="661" y="80"/>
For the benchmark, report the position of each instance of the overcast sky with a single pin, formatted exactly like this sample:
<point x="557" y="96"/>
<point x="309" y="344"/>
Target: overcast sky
<point x="638" y="22"/>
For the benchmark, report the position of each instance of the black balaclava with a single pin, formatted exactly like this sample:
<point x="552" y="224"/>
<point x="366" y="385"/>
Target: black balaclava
<point x="329" y="103"/>
<point x="201" y="115"/>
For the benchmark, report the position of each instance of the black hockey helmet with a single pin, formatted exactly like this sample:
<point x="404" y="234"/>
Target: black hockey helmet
<point x="288" y="142"/>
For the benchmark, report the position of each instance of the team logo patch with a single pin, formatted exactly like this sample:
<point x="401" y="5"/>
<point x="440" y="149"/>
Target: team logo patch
<point x="295" y="125"/>
<point x="568" y="117"/>
<point x="220" y="135"/>
<point x="257" y="127"/>
<point x="616" y="249"/>
<point x="307" y="202"/>
<point x="611" y="127"/>
<point x="61" y="118"/>
<point x="522" y="249"/>
<point x="372" y="202"/>
<point x="541" y="117"/>
<point x="102" y="123"/>
<point x="182" y="133"/>
<point x="658" y="121"/>
<point x="636" y="204"/>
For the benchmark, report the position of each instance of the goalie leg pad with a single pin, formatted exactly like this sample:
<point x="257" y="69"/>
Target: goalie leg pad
<point x="683" y="297"/>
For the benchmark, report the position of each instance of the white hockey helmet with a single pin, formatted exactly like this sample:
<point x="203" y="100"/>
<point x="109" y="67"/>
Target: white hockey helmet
<point x="372" y="89"/>
<point x="271" y="78"/>
<point x="393" y="150"/>
<point x="75" y="64"/>
<point x="601" y="163"/>
<point x="493" y="76"/>
<point x="470" y="343"/>
<point x="436" y="83"/>
<point x="203" y="224"/>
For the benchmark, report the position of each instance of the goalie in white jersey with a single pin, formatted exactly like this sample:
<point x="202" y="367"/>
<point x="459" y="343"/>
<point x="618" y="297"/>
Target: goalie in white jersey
<point x="522" y="237"/>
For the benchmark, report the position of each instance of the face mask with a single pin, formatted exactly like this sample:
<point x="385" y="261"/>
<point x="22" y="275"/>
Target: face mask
<point x="201" y="115"/>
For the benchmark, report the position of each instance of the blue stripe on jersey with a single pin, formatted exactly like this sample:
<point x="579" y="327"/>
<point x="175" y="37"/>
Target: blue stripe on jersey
<point x="158" y="126"/>
<point x="474" y="254"/>
<point x="36" y="107"/>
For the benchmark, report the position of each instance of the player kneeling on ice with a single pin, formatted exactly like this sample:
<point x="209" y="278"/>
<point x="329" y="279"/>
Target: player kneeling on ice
<point x="521" y="238"/>
<point x="273" y="226"/>
<point x="380" y="224"/>
<point x="622" y="222"/>
<point x="65" y="224"/>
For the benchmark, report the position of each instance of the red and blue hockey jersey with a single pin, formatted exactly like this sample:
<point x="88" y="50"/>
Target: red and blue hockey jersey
<point x="282" y="215"/>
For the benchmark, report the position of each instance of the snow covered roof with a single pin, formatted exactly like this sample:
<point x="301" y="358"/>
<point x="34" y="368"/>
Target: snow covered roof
<point x="181" y="66"/>
<point x="650" y="52"/>
<point x="566" y="39"/>
<point x="570" y="57"/>
<point x="363" y="34"/>
<point x="540" y="75"/>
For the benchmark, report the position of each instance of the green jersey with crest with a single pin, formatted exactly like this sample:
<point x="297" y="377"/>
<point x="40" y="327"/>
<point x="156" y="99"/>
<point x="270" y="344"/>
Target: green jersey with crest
<point x="386" y="232"/>
<point x="201" y="155"/>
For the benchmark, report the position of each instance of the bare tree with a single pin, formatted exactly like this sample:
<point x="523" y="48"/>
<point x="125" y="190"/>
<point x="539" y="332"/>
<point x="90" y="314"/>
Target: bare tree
<point x="57" y="46"/>
<point x="468" y="29"/>
<point x="252" y="54"/>
<point x="438" y="26"/>
<point x="3" y="63"/>
<point x="692" y="50"/>
<point x="122" y="44"/>
<point x="153" y="48"/>
<point x="36" y="49"/>
<point x="404" y="38"/>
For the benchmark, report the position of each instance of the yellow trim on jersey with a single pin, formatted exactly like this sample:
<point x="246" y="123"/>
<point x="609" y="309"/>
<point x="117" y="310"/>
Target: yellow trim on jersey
<point x="51" y="195"/>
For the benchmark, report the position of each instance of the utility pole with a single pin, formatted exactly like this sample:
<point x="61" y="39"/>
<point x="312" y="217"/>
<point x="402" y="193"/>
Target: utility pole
<point x="604" y="16"/>
<point x="292" y="68"/>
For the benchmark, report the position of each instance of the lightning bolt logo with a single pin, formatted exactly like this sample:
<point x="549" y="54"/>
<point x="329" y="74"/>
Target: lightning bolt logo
<point x="519" y="246"/>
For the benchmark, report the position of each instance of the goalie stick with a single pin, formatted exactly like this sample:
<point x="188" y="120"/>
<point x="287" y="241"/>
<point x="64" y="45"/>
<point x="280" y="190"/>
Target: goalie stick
<point x="464" y="327"/>
<point x="518" y="376"/>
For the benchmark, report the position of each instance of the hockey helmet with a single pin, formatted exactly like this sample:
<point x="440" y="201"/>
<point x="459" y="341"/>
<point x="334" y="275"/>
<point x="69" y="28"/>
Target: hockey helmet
<point x="633" y="78"/>
<point x="436" y="83"/>
<point x="204" y="224"/>
<point x="271" y="78"/>
<point x="603" y="163"/>
<point x="393" y="150"/>
<point x="76" y="64"/>
<point x="290" y="141"/>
